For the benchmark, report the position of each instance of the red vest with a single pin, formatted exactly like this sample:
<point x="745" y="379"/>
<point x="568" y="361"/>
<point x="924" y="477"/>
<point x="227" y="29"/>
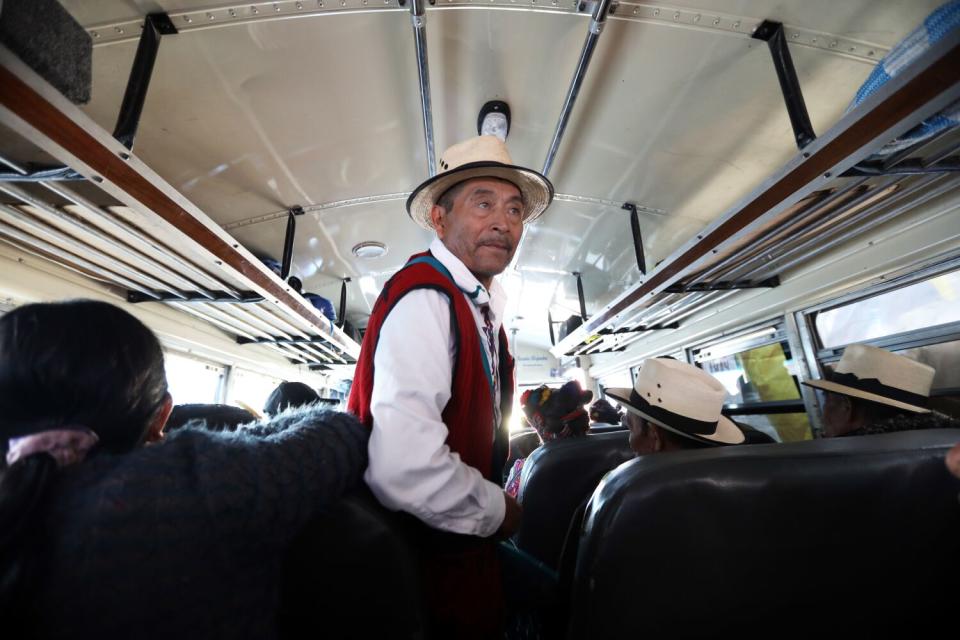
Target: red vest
<point x="469" y="412"/>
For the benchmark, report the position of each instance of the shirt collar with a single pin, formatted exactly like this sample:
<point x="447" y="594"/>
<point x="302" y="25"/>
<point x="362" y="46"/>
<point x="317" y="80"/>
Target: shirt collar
<point x="496" y="297"/>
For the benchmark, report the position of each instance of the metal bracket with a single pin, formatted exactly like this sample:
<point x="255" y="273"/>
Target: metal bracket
<point x="155" y="25"/>
<point x="310" y="340"/>
<point x="638" y="329"/>
<point x="584" y="348"/>
<point x="288" y="238"/>
<point x="580" y="296"/>
<point x="772" y="281"/>
<point x="772" y="33"/>
<point x="210" y="296"/>
<point x="637" y="236"/>
<point x="342" y="311"/>
<point x="553" y="338"/>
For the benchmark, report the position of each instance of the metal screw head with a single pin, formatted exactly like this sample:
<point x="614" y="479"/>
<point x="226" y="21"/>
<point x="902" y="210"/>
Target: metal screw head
<point x="254" y="10"/>
<point x="676" y="16"/>
<point x="656" y="12"/>
<point x="716" y="21"/>
<point x="233" y="13"/>
<point x="118" y="29"/>
<point x="210" y="16"/>
<point x="736" y="25"/>
<point x="187" y="19"/>
<point x="95" y="34"/>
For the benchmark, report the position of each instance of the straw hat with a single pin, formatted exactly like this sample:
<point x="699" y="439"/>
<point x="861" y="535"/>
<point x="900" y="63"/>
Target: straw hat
<point x="680" y="398"/>
<point x="880" y="376"/>
<point x="480" y="157"/>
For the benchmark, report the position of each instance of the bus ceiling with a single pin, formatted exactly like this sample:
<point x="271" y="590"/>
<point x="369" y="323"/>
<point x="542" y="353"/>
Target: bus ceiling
<point x="672" y="114"/>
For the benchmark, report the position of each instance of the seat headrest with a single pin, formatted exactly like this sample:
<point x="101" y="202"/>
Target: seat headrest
<point x="855" y="533"/>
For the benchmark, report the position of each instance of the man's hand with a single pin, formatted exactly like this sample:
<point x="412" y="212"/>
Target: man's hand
<point x="511" y="517"/>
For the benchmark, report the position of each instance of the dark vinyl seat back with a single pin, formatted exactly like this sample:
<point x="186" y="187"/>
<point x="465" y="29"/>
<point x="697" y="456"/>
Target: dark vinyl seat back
<point x="855" y="536"/>
<point x="556" y="479"/>
<point x="352" y="573"/>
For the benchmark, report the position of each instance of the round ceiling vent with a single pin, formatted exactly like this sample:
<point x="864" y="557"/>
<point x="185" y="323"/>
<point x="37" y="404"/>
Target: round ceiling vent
<point x="370" y="250"/>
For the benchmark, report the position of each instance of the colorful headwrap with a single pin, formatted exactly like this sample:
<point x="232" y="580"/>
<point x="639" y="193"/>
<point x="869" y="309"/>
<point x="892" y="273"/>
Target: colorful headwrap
<point x="557" y="413"/>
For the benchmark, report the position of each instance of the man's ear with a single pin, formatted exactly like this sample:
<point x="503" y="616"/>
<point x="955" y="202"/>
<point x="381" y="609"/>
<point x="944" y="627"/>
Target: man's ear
<point x="155" y="430"/>
<point x="657" y="437"/>
<point x="437" y="218"/>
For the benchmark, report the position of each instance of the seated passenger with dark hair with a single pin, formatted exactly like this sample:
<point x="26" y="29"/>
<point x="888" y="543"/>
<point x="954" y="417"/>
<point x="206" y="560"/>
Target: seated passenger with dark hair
<point x="874" y="391"/>
<point x="289" y="394"/>
<point x="603" y="414"/>
<point x="554" y="414"/>
<point x="215" y="417"/>
<point x="675" y="406"/>
<point x="110" y="530"/>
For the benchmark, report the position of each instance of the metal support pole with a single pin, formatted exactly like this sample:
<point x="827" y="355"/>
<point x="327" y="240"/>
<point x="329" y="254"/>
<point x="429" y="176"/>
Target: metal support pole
<point x="772" y="33"/>
<point x="580" y="296"/>
<point x="288" y="239"/>
<point x="418" y="17"/>
<point x="637" y="236"/>
<point x="342" y="311"/>
<point x="553" y="338"/>
<point x="154" y="27"/>
<point x="597" y="21"/>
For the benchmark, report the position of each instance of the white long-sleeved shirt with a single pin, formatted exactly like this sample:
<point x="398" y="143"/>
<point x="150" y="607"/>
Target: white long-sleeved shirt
<point x="411" y="468"/>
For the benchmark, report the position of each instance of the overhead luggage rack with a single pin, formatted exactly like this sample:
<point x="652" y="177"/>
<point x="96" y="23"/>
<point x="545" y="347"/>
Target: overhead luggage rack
<point x="832" y="191"/>
<point x="124" y="226"/>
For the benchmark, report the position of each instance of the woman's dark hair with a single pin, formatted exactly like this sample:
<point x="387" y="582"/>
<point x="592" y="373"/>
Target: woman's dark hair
<point x="289" y="394"/>
<point x="603" y="411"/>
<point x="69" y="364"/>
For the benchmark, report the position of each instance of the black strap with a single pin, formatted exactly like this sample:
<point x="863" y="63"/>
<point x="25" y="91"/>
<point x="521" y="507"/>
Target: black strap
<point x="676" y="421"/>
<point x="874" y="386"/>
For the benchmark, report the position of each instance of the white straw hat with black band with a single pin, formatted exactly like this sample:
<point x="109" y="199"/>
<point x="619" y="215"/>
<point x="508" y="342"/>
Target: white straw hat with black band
<point x="680" y="398"/>
<point x="874" y="374"/>
<point x="480" y="157"/>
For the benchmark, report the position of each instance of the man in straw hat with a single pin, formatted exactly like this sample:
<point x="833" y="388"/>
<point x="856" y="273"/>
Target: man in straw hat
<point x="674" y="405"/>
<point x="434" y="380"/>
<point x="874" y="391"/>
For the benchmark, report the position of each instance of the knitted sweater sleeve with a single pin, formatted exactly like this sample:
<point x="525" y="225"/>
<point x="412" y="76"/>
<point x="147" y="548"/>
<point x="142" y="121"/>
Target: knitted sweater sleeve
<point x="261" y="483"/>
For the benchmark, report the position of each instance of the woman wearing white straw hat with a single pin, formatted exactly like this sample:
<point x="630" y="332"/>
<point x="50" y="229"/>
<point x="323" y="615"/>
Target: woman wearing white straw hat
<point x="874" y="391"/>
<point x="674" y="405"/>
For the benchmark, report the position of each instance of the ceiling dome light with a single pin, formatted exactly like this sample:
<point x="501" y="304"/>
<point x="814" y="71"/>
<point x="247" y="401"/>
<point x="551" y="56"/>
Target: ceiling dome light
<point x="370" y="250"/>
<point x="494" y="119"/>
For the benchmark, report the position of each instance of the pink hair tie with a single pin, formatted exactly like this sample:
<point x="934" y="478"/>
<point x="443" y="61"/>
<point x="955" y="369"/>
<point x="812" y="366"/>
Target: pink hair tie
<point x="67" y="446"/>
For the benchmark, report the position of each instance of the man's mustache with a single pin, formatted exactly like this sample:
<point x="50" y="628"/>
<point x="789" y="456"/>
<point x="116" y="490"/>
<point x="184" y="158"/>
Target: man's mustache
<point x="500" y="243"/>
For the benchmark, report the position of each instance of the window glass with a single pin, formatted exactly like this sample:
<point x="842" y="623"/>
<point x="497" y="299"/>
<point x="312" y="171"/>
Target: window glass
<point x="925" y="304"/>
<point x="250" y="389"/>
<point x="192" y="381"/>
<point x="765" y="373"/>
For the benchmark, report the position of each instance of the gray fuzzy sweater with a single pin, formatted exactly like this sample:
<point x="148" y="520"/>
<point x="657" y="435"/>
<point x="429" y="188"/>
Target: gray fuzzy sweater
<point x="185" y="538"/>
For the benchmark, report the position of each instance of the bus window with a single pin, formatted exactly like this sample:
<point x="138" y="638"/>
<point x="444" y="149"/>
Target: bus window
<point x="924" y="304"/>
<point x="761" y="378"/>
<point x="250" y="389"/>
<point x="193" y="381"/>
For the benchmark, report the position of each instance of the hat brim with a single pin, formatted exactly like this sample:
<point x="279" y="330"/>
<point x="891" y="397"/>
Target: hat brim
<point x="842" y="389"/>
<point x="727" y="431"/>
<point x="535" y="189"/>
